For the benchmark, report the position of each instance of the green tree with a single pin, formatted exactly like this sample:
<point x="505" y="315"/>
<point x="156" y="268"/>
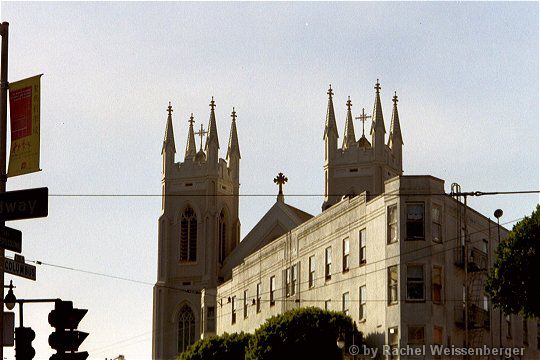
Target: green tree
<point x="513" y="282"/>
<point x="223" y="347"/>
<point x="303" y="333"/>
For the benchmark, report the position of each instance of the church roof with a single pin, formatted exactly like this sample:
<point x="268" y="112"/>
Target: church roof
<point x="330" y="126"/>
<point x="169" y="133"/>
<point x="395" y="128"/>
<point x="233" y="147"/>
<point x="378" y="120"/>
<point x="191" y="149"/>
<point x="349" y="139"/>
<point x="278" y="220"/>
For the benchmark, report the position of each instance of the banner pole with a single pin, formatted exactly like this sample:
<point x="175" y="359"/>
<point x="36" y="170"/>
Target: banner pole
<point x="4" y="27"/>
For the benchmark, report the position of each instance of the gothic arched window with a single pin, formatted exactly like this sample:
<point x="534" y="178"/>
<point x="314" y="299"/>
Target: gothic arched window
<point x="186" y="328"/>
<point x="188" y="235"/>
<point x="222" y="236"/>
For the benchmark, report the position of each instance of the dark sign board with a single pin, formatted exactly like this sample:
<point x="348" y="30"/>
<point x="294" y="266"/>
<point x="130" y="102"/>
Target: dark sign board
<point x="11" y="239"/>
<point x="24" y="204"/>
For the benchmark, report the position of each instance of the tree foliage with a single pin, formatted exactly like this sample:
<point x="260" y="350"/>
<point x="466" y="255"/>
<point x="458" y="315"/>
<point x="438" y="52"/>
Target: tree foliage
<point x="513" y="282"/>
<point x="223" y="347"/>
<point x="303" y="333"/>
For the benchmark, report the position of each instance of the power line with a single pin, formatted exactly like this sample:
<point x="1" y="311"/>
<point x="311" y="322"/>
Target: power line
<point x="473" y="193"/>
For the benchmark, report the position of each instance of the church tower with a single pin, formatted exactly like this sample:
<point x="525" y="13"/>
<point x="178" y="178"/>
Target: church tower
<point x="361" y="165"/>
<point x="197" y="229"/>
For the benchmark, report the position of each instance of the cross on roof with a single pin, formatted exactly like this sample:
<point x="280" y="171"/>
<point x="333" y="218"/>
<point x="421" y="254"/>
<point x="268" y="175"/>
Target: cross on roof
<point x="394" y="99"/>
<point x="330" y="92"/>
<point x="201" y="133"/>
<point x="363" y="118"/>
<point x="377" y="86"/>
<point x="280" y="179"/>
<point x="233" y="114"/>
<point x="212" y="103"/>
<point x="169" y="109"/>
<point x="191" y="121"/>
<point x="349" y="103"/>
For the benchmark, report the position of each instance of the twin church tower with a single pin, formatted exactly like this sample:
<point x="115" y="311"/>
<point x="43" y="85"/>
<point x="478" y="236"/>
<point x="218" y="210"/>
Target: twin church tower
<point x="199" y="226"/>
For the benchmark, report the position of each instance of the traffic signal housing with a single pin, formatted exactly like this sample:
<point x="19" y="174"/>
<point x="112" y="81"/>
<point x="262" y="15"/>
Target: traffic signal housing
<point x="66" y="339"/>
<point x="23" y="343"/>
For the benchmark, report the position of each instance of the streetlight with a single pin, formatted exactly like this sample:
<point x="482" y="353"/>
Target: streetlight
<point x="498" y="213"/>
<point x="340" y="342"/>
<point x="10" y="298"/>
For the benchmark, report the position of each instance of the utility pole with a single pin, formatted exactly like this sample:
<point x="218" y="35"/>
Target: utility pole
<point x="4" y="31"/>
<point x="466" y="265"/>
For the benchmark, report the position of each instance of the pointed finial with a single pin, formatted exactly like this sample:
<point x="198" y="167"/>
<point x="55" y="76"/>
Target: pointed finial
<point x="201" y="133"/>
<point x="212" y="103"/>
<point x="169" y="109"/>
<point x="349" y="103"/>
<point x="191" y="121"/>
<point x="233" y="114"/>
<point x="377" y="86"/>
<point x="395" y="99"/>
<point x="330" y="92"/>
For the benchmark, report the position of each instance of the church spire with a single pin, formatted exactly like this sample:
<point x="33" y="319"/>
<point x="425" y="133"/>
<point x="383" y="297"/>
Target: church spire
<point x="377" y="118"/>
<point x="330" y="128"/>
<point x="212" y="137"/>
<point x="168" y="141"/>
<point x="233" y="148"/>
<point x="395" y="128"/>
<point x="349" y="138"/>
<point x="191" y="149"/>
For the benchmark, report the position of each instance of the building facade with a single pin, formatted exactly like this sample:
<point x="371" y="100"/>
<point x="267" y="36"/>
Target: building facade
<point x="405" y="260"/>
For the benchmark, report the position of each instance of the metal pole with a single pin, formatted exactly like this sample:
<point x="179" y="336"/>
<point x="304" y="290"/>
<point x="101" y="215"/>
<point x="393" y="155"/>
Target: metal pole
<point x="3" y="134"/>
<point x="466" y="261"/>
<point x="500" y="310"/>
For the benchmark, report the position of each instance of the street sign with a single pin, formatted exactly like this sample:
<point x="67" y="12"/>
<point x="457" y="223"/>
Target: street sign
<point x="24" y="204"/>
<point x="11" y="239"/>
<point x="19" y="268"/>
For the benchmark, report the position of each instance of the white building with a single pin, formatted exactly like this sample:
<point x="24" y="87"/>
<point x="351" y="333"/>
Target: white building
<point x="387" y="249"/>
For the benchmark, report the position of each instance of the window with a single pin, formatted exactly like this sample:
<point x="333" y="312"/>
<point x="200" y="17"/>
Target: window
<point x="222" y="237"/>
<point x="415" y="221"/>
<point x="288" y="282"/>
<point x="525" y="332"/>
<point x="485" y="304"/>
<point x="393" y="341"/>
<point x="328" y="263"/>
<point x="233" y="311"/>
<point x="312" y="271"/>
<point x="345" y="254"/>
<point x="392" y="224"/>
<point x="245" y="304"/>
<point x="415" y="282"/>
<point x="272" y="290"/>
<point x="485" y="246"/>
<point x="258" y="300"/>
<point x="437" y="339"/>
<point x="392" y="285"/>
<point x="188" y="235"/>
<point x="362" y="308"/>
<point x="327" y="304"/>
<point x="211" y="319"/>
<point x="416" y="335"/>
<point x="345" y="303"/>
<point x="186" y="328"/>
<point x="294" y="273"/>
<point x="437" y="284"/>
<point x="436" y="223"/>
<point x="437" y="335"/>
<point x="508" y="321"/>
<point x="362" y="238"/>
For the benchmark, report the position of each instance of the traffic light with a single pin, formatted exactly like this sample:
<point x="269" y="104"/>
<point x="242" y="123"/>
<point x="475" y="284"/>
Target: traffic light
<point x="23" y="343"/>
<point x="66" y="339"/>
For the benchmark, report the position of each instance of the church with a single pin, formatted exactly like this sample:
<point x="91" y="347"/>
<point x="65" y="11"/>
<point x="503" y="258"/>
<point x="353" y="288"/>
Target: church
<point x="404" y="259"/>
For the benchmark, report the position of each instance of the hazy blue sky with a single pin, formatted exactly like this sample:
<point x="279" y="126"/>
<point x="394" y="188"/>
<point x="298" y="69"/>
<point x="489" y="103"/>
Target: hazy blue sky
<point x="466" y="76"/>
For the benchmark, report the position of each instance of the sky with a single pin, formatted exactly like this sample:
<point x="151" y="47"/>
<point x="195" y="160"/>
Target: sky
<point x="466" y="75"/>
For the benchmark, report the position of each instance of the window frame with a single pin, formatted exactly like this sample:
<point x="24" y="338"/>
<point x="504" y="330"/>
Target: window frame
<point x="437" y="286"/>
<point x="272" y="290"/>
<point x="393" y="285"/>
<point x="413" y="329"/>
<point x="233" y="310"/>
<point x="345" y="301"/>
<point x="362" y="244"/>
<point x="245" y="304"/>
<point x="258" y="298"/>
<point x="346" y="247"/>
<point x="328" y="263"/>
<point x="409" y="237"/>
<point x="436" y="223"/>
<point x="415" y="282"/>
<point x="362" y="303"/>
<point x="392" y="222"/>
<point x="311" y="269"/>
